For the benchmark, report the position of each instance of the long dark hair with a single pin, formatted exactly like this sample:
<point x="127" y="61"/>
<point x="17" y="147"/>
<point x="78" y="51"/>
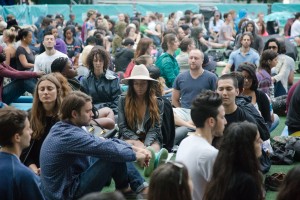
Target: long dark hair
<point x="290" y="186"/>
<point x="266" y="56"/>
<point x="236" y="154"/>
<point x="170" y="181"/>
<point x="250" y="68"/>
<point x="132" y="107"/>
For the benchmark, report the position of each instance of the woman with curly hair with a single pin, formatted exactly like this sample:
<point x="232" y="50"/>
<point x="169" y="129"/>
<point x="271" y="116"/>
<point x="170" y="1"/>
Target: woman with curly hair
<point x="65" y="74"/>
<point x="44" y="114"/>
<point x="101" y="84"/>
<point x="144" y="47"/>
<point x="236" y="170"/>
<point x="140" y="116"/>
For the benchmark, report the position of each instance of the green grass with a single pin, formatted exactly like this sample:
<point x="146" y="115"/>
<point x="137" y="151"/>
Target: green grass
<point x="274" y="168"/>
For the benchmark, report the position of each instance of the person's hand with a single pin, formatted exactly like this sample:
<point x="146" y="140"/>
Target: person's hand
<point x="40" y="73"/>
<point x="143" y="156"/>
<point x="36" y="170"/>
<point x="191" y="125"/>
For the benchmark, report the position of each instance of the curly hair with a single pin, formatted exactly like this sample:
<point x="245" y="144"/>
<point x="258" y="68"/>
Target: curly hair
<point x="266" y="56"/>
<point x="98" y="50"/>
<point x="232" y="158"/>
<point x="142" y="47"/>
<point x="38" y="112"/>
<point x="273" y="40"/>
<point x="132" y="107"/>
<point x="59" y="64"/>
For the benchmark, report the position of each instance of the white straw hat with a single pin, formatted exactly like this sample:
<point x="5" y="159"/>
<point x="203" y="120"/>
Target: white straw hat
<point x="139" y="72"/>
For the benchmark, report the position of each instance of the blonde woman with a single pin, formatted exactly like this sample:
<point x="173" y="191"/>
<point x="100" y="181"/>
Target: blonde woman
<point x="9" y="37"/>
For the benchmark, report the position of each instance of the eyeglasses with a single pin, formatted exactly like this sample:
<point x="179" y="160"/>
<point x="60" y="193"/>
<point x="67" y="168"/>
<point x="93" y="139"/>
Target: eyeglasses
<point x="248" y="78"/>
<point x="272" y="47"/>
<point x="180" y="167"/>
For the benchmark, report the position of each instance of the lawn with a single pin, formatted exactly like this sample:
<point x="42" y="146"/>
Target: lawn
<point x="274" y="168"/>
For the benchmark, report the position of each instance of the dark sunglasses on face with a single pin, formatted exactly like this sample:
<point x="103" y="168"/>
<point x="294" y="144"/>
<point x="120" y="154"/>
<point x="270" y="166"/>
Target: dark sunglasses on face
<point x="272" y="47"/>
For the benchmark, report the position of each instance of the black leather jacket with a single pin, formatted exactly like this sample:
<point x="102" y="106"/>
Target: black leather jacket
<point x="104" y="90"/>
<point x="153" y="133"/>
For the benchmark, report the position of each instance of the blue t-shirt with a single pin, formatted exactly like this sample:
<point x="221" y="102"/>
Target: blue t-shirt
<point x="189" y="87"/>
<point x="236" y="58"/>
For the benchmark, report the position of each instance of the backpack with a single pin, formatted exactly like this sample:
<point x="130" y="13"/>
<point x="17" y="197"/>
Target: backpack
<point x="245" y="103"/>
<point x="168" y="125"/>
<point x="217" y="55"/>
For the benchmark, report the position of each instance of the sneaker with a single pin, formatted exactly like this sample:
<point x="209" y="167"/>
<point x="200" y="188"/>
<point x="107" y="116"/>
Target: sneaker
<point x="148" y="170"/>
<point x="272" y="182"/>
<point x="161" y="157"/>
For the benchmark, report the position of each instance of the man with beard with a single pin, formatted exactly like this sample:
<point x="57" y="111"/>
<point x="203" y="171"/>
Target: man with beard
<point x="75" y="162"/>
<point x="244" y="54"/>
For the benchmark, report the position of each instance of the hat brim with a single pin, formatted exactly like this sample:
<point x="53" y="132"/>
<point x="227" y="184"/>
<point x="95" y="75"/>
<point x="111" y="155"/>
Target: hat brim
<point x="146" y="78"/>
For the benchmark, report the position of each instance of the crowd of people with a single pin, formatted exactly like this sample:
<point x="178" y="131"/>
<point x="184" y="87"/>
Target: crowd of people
<point x="152" y="81"/>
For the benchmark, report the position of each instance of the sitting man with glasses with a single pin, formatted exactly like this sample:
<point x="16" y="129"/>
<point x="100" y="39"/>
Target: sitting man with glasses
<point x="196" y="151"/>
<point x="244" y="54"/>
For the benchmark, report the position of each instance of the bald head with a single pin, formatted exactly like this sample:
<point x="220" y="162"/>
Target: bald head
<point x="196" y="58"/>
<point x="198" y="52"/>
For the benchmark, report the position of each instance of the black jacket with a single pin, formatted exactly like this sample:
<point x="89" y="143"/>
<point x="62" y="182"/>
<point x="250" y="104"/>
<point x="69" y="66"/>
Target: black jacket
<point x="153" y="133"/>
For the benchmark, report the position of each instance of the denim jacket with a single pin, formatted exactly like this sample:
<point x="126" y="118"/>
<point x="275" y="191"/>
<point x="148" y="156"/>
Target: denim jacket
<point x="153" y="133"/>
<point x="104" y="90"/>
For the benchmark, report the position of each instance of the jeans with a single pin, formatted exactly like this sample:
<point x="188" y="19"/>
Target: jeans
<point x="16" y="88"/>
<point x="274" y="123"/>
<point x="180" y="133"/>
<point x="100" y="172"/>
<point x="136" y="181"/>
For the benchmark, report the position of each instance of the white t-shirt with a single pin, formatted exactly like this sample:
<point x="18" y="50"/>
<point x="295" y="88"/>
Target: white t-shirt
<point x="43" y="61"/>
<point x="199" y="157"/>
<point x="295" y="29"/>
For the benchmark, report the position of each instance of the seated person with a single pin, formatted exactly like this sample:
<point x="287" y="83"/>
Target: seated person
<point x="23" y="81"/>
<point x="187" y="86"/>
<point x="258" y="98"/>
<point x="140" y="116"/>
<point x="101" y="84"/>
<point x="124" y="55"/>
<point x="105" y="116"/>
<point x="293" y="115"/>
<point x="17" y="181"/>
<point x="82" y="163"/>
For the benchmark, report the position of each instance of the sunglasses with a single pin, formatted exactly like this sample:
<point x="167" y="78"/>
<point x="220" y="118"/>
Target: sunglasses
<point x="180" y="167"/>
<point x="272" y="47"/>
<point x="248" y="78"/>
